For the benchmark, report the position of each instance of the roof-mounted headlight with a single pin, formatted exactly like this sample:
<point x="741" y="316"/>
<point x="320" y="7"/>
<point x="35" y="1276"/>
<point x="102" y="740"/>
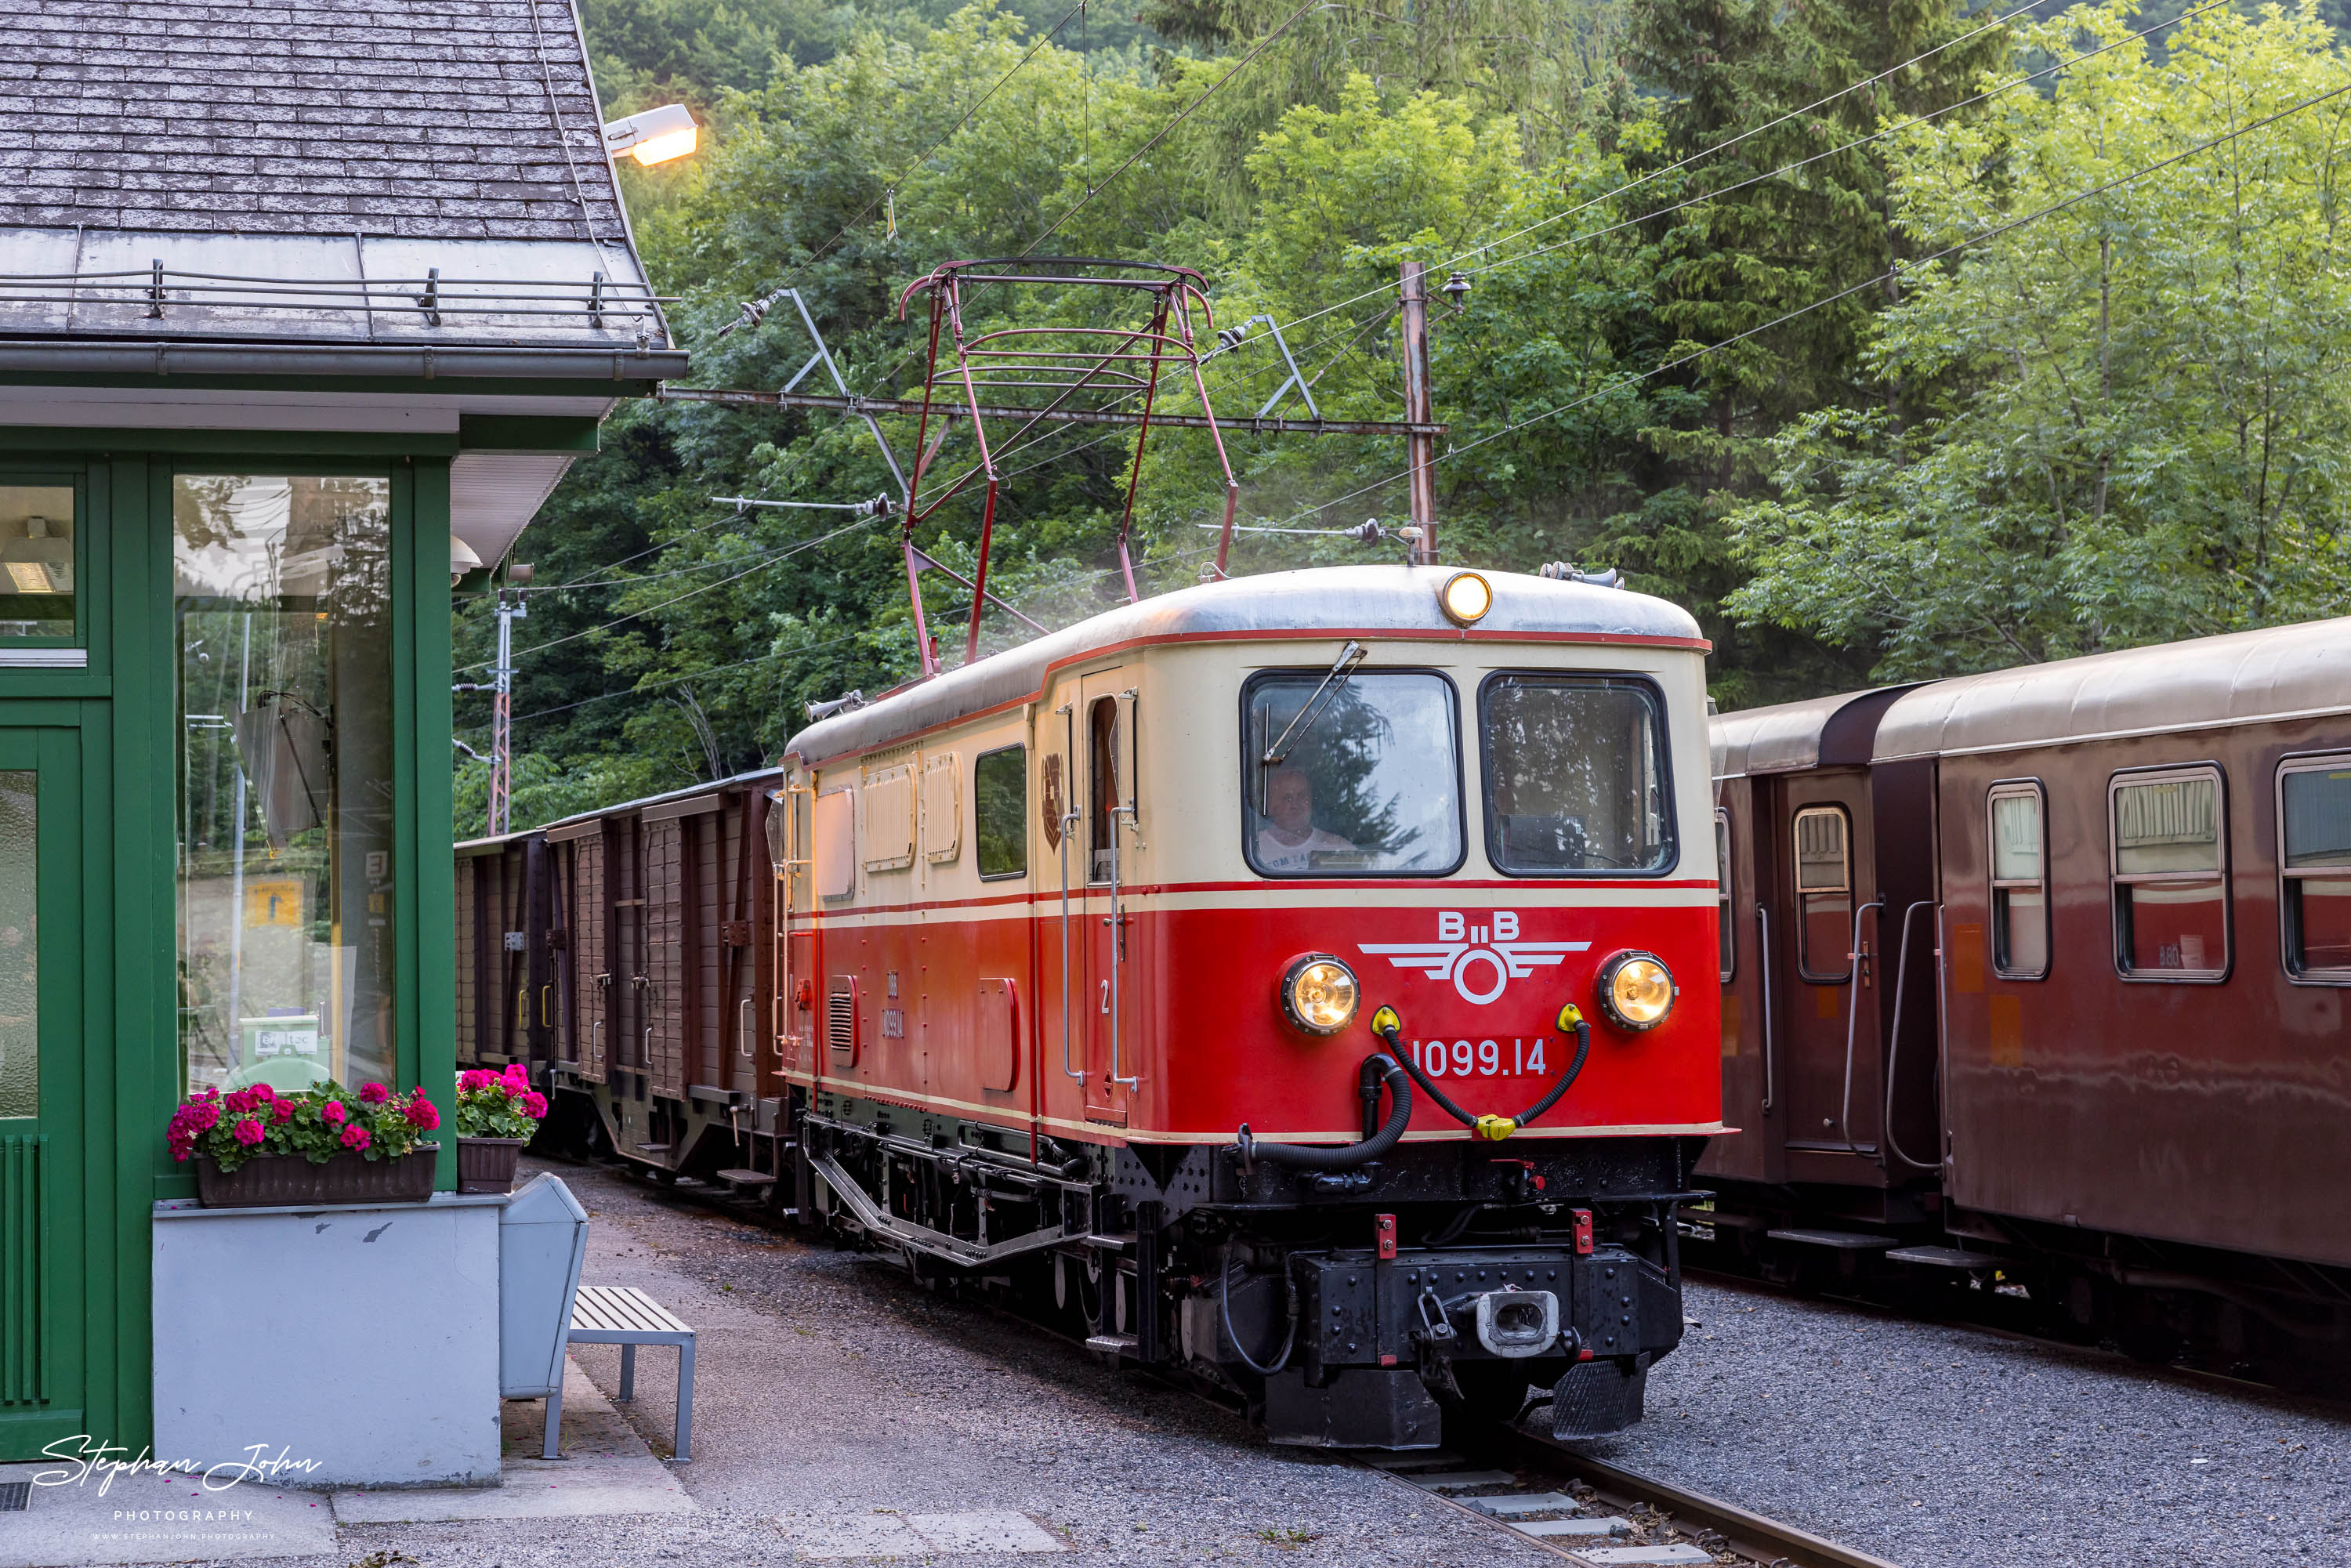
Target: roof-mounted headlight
<point x="1465" y="598"/>
<point x="1637" y="990"/>
<point x="1319" y="993"/>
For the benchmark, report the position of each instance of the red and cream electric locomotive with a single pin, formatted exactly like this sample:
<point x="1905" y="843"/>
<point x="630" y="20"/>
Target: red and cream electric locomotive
<point x="1305" y="981"/>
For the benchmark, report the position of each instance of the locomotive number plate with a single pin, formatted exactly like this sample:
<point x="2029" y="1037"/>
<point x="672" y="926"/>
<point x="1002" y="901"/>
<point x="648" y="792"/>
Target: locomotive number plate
<point x="1510" y="1058"/>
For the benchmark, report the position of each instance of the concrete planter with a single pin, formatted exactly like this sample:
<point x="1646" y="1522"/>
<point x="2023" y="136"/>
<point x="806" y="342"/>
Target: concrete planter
<point x="377" y="1325"/>
<point x="269" y="1181"/>
<point x="487" y="1164"/>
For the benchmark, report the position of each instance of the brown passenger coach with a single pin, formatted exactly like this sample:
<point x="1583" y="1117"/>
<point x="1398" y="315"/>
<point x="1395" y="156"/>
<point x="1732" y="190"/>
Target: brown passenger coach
<point x="2035" y="979"/>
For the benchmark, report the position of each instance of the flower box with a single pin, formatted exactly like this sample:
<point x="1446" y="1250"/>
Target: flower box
<point x="275" y="1181"/>
<point x="487" y="1164"/>
<point x="255" y="1148"/>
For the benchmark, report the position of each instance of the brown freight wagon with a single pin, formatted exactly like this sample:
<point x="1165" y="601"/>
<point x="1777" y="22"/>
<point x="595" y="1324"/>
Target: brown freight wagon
<point x="504" y="966"/>
<point x="2037" y="978"/>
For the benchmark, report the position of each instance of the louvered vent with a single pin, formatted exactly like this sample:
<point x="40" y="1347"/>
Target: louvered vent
<point x="841" y="1015"/>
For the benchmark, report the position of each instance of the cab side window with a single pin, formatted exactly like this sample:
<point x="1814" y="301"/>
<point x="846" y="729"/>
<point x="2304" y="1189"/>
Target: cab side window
<point x="999" y="812"/>
<point x="1824" y="893"/>
<point x="2170" y="874"/>
<point x="2020" y="882"/>
<point x="2315" y="866"/>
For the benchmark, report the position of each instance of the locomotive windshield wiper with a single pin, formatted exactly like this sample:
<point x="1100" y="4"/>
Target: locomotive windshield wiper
<point x="1315" y="706"/>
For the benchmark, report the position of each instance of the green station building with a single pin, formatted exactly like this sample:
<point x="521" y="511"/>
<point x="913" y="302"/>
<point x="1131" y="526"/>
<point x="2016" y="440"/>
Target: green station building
<point x="304" y="307"/>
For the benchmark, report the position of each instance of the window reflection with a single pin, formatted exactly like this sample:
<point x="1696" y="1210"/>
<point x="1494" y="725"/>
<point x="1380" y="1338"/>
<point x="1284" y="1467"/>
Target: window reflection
<point x="1575" y="775"/>
<point x="1364" y="782"/>
<point x="282" y="594"/>
<point x="20" y="948"/>
<point x="36" y="561"/>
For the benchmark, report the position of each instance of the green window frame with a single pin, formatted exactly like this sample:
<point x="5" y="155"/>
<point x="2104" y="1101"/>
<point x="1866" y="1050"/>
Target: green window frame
<point x="48" y="651"/>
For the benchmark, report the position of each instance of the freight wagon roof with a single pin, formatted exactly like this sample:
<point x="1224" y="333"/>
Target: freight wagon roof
<point x="2284" y="671"/>
<point x="1365" y="602"/>
<point x="1790" y="737"/>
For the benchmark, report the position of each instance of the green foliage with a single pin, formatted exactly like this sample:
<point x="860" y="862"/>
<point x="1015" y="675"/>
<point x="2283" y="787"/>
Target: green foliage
<point x="2132" y="418"/>
<point x="317" y="1123"/>
<point x="495" y="1105"/>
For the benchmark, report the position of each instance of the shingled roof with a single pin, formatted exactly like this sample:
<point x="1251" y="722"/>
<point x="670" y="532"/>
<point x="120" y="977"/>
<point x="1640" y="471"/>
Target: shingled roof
<point x="422" y="118"/>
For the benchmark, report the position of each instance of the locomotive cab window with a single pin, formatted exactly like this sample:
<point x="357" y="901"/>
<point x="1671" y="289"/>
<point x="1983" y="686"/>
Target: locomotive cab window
<point x="1824" y="895"/>
<point x="1576" y="776"/>
<point x="1349" y="773"/>
<point x="2314" y="867"/>
<point x="1726" y="934"/>
<point x="999" y="812"/>
<point x="2020" y="883"/>
<point x="2170" y="874"/>
<point x="1102" y="751"/>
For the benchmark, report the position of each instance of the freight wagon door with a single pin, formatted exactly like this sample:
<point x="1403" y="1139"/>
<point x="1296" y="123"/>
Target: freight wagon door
<point x="1831" y="972"/>
<point x="1111" y="1003"/>
<point x="588" y="907"/>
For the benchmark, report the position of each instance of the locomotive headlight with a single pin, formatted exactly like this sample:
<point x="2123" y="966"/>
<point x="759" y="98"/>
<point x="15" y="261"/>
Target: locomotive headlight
<point x="1466" y="597"/>
<point x="1318" y="993"/>
<point x="1637" y="990"/>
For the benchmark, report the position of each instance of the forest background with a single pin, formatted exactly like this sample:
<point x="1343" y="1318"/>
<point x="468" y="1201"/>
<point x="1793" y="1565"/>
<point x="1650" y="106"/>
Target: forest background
<point x="2031" y="347"/>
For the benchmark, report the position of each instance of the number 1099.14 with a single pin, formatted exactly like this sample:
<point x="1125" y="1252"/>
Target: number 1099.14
<point x="1485" y="1058"/>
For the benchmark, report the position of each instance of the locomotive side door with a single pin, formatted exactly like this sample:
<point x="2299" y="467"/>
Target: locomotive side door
<point x="1830" y="974"/>
<point x="1110" y="1001"/>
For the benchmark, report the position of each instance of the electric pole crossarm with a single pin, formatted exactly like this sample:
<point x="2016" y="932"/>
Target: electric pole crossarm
<point x="1063" y="416"/>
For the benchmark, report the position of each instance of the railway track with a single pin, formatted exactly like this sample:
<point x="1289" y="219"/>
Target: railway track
<point x="1589" y="1512"/>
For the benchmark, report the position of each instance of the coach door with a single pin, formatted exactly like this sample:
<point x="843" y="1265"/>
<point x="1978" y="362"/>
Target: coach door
<point x="1110" y="1002"/>
<point x="1829" y="975"/>
<point x="1751" y="947"/>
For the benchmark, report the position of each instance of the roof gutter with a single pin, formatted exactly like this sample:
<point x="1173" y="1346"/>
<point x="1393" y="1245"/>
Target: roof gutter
<point x="423" y="361"/>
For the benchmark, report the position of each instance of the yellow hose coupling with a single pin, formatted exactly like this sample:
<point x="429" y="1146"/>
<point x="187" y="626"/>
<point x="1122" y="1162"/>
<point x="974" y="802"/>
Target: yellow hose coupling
<point x="1493" y="1129"/>
<point x="1386" y="1020"/>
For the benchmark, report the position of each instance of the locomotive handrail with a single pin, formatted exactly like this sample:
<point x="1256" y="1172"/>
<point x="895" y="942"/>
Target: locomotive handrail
<point x="1763" y="940"/>
<point x="1893" y="1046"/>
<point x="1068" y="820"/>
<point x="1854" y="955"/>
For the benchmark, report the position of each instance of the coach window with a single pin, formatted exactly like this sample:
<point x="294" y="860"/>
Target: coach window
<point x="999" y="812"/>
<point x="2171" y="864"/>
<point x="1576" y="776"/>
<point x="2315" y="866"/>
<point x="1726" y="934"/>
<point x="2019" y="883"/>
<point x="1824" y="895"/>
<point x="1350" y="774"/>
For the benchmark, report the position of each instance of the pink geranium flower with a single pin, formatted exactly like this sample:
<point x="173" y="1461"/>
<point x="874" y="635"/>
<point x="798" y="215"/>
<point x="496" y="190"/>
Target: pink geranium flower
<point x="332" y="1110"/>
<point x="284" y="1111"/>
<point x="355" y="1137"/>
<point x="373" y="1095"/>
<point x="263" y="1094"/>
<point x="534" y="1104"/>
<point x="423" y="1115"/>
<point x="475" y="1078"/>
<point x="248" y="1131"/>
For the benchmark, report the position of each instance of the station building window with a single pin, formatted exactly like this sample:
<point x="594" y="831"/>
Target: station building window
<point x="282" y="598"/>
<point x="38" y="565"/>
<point x="1824" y="895"/>
<point x="2170" y="874"/>
<point x="20" y="945"/>
<point x="2020" y="882"/>
<point x="2315" y="866"/>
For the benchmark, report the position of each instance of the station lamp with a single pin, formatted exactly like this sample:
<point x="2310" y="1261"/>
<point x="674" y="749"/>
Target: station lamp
<point x="655" y="136"/>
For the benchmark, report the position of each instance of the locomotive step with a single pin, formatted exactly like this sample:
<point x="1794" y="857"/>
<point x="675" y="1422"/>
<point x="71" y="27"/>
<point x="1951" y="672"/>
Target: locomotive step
<point x="1842" y="1240"/>
<point x="748" y="1179"/>
<point x="1946" y="1257"/>
<point x="1111" y="1344"/>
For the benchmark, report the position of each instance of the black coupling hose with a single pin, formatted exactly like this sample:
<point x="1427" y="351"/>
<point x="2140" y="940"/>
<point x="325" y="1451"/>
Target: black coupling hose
<point x="1348" y="1156"/>
<point x="1495" y="1128"/>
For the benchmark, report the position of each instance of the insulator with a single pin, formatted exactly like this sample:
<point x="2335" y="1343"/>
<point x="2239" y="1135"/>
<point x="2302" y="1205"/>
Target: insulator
<point x="1368" y="531"/>
<point x="1456" y="289"/>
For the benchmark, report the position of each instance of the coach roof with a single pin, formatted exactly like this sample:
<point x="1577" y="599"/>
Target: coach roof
<point x="2283" y="671"/>
<point x="1366" y="601"/>
<point x="1791" y="737"/>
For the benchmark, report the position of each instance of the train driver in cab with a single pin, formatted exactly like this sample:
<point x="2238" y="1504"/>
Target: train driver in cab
<point x="1289" y="840"/>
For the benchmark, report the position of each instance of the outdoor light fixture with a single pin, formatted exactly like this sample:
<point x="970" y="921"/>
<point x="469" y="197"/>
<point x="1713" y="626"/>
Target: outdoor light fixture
<point x="657" y="136"/>
<point x="1637" y="990"/>
<point x="463" y="559"/>
<point x="1317" y="993"/>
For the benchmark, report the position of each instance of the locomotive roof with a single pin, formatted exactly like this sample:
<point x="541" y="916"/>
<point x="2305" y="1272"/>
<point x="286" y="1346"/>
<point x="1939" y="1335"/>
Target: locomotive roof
<point x="1790" y="737"/>
<point x="2281" y="672"/>
<point x="1358" y="600"/>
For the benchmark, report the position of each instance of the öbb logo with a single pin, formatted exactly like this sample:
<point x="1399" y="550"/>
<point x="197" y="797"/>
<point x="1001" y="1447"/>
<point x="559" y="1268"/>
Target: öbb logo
<point x="1491" y="952"/>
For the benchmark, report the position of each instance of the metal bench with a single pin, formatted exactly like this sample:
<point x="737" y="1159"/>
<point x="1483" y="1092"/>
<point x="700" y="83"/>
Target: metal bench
<point x="626" y="1316"/>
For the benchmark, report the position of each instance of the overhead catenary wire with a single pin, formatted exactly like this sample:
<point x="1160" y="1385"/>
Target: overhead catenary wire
<point x="1892" y="274"/>
<point x="1703" y="153"/>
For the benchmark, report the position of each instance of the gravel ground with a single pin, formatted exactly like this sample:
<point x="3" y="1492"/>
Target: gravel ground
<point x="828" y="1384"/>
<point x="1951" y="1447"/>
